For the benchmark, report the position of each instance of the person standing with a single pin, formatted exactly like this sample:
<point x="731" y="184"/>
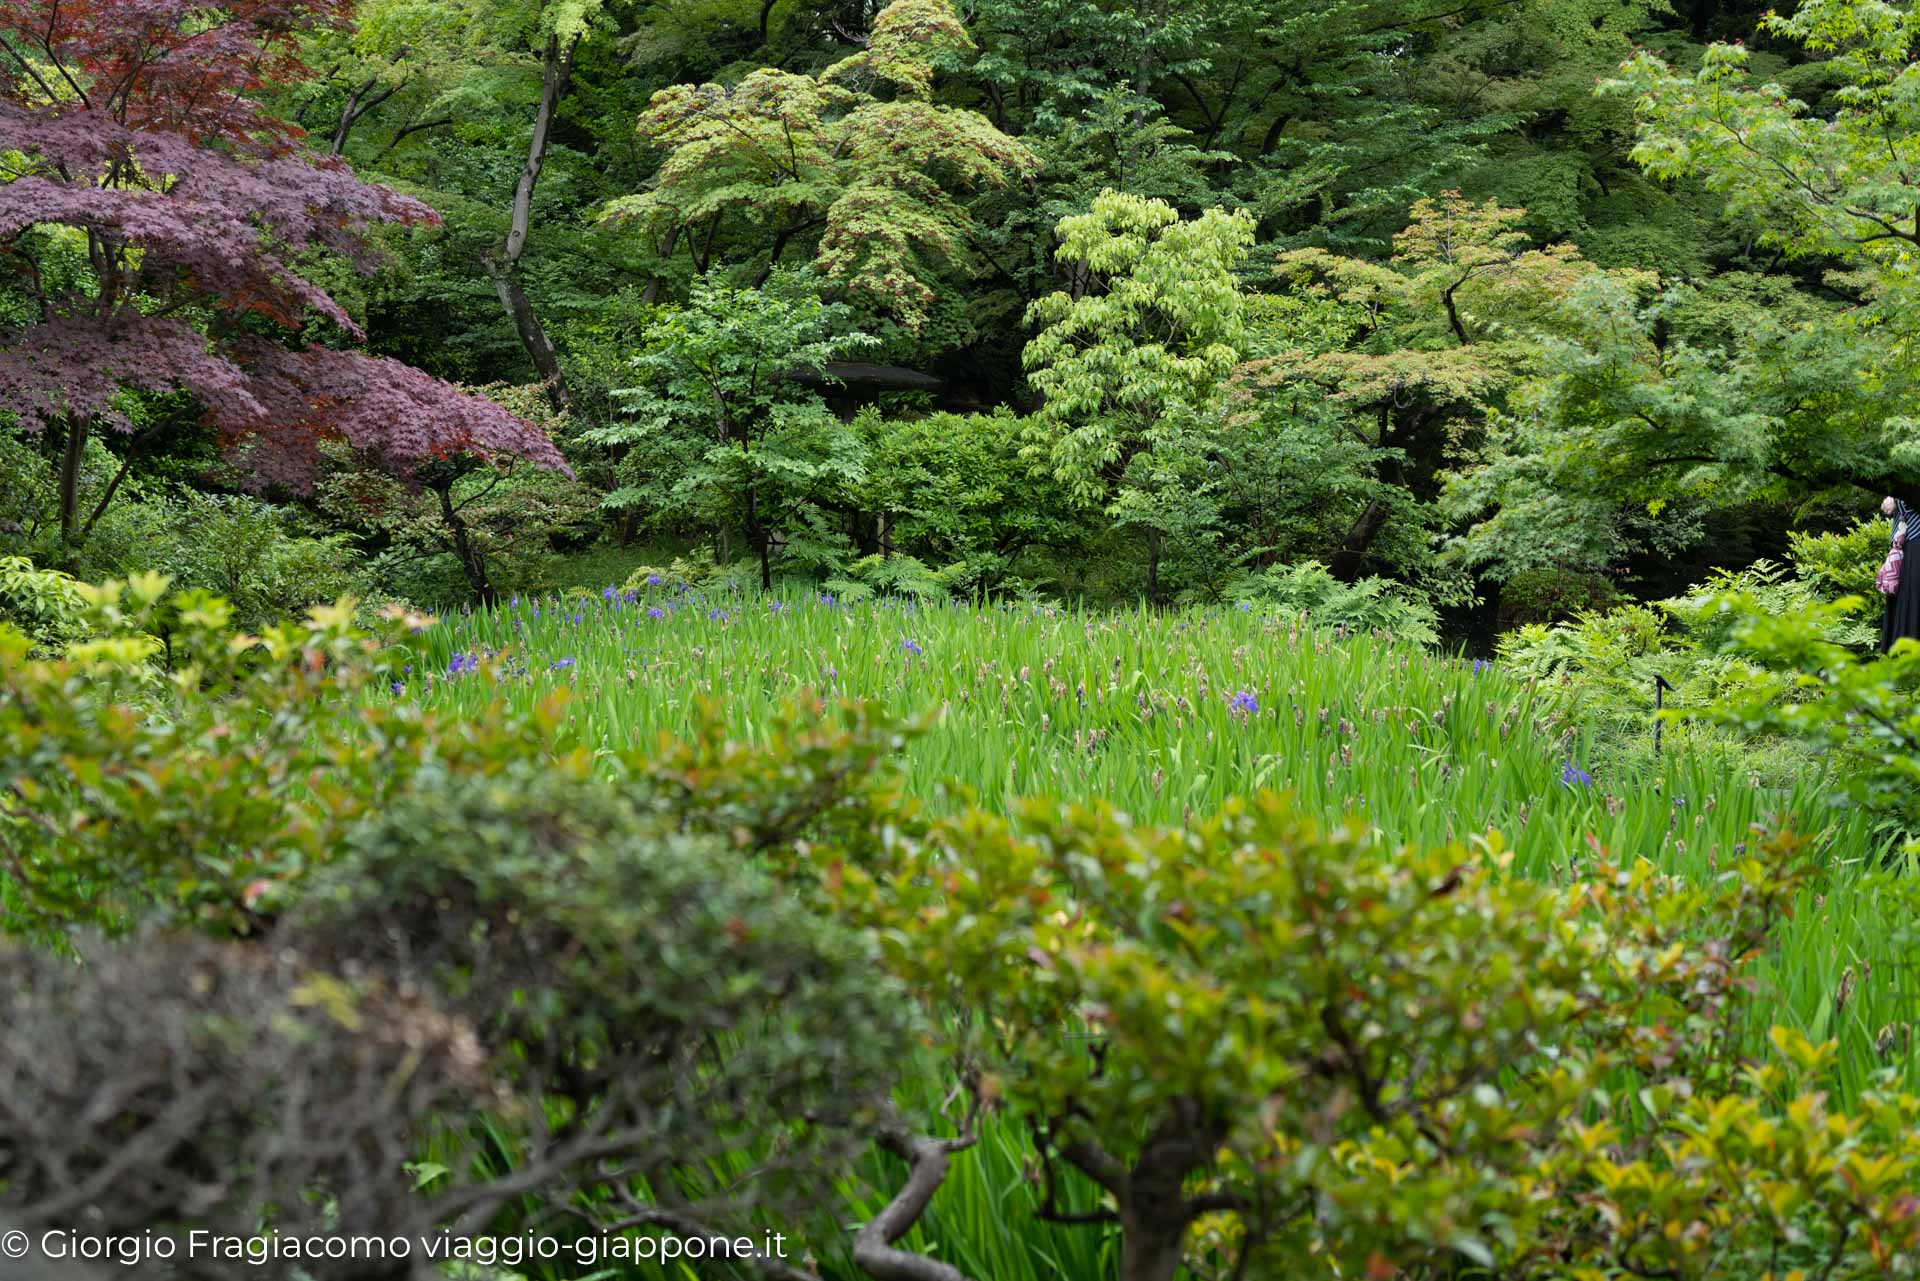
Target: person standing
<point x="1898" y="578"/>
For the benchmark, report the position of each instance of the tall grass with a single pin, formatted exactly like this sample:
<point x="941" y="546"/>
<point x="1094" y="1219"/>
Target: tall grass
<point x="1163" y="714"/>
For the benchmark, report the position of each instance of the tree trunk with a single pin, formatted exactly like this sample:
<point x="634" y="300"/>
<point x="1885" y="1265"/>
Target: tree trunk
<point x="1353" y="552"/>
<point x="532" y="334"/>
<point x="1453" y="313"/>
<point x="504" y="265"/>
<point x="652" y="293"/>
<point x="757" y="531"/>
<point x="1150" y="1250"/>
<point x="1153" y="566"/>
<point x="70" y="460"/>
<point x="470" y="557"/>
<point x="1150" y="1196"/>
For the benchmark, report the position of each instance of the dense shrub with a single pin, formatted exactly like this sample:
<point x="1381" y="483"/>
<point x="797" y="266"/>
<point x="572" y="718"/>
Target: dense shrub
<point x="1282" y="1052"/>
<point x="477" y="978"/>
<point x="1859" y="710"/>
<point x="655" y="999"/>
<point x="45" y="605"/>
<point x="954" y="492"/>
<point x="267" y="561"/>
<point x="1365" y="605"/>
<point x="627" y="1004"/>
<point x="247" y="552"/>
<point x="169" y="765"/>
<point x="1611" y="660"/>
<point x="175" y="1081"/>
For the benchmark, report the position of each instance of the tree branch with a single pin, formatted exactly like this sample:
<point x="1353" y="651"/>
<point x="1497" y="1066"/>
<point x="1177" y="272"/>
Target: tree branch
<point x="927" y="1159"/>
<point x="393" y="142"/>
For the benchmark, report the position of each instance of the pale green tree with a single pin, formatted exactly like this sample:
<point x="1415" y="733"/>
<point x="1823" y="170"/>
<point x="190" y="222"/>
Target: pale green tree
<point x="1434" y="338"/>
<point x="1837" y="182"/>
<point x="1646" y="419"/>
<point x="1132" y="360"/>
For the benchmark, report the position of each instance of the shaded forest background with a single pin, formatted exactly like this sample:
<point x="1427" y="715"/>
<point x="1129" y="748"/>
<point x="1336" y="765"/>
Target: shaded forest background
<point x="1478" y="362"/>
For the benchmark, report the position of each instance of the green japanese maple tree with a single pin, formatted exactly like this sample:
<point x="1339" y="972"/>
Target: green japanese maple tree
<point x="1642" y="412"/>
<point x="1132" y="359"/>
<point x="1437" y="336"/>
<point x="857" y="166"/>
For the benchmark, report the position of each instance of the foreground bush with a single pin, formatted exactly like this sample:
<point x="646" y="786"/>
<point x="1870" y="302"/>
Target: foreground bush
<point x="171" y="764"/>
<point x="1312" y="1054"/>
<point x="182" y="1082"/>
<point x="580" y="1011"/>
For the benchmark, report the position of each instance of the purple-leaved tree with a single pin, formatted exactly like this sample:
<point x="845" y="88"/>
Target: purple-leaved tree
<point x="158" y="220"/>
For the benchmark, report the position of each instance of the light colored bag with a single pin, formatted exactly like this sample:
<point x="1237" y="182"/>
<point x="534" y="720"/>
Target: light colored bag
<point x="1888" y="579"/>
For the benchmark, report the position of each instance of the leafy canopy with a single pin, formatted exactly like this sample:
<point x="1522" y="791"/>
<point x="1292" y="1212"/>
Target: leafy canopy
<point x="727" y="403"/>
<point x="858" y="161"/>
<point x="1142" y="343"/>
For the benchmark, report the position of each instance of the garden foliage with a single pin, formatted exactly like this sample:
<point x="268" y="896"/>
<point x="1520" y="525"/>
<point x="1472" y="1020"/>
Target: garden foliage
<point x="1139" y="639"/>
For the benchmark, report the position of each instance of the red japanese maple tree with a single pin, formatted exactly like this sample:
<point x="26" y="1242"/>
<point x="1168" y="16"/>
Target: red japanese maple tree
<point x="158" y="225"/>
